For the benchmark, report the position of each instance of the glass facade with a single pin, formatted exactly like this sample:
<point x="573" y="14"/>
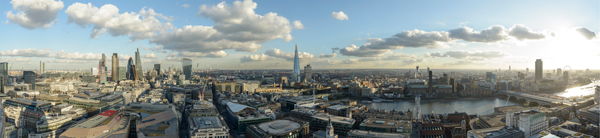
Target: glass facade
<point x="187" y="68"/>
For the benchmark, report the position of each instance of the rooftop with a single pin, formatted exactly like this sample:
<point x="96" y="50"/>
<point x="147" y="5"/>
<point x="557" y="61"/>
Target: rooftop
<point x="279" y="126"/>
<point x="207" y="122"/>
<point x="385" y="123"/>
<point x="363" y="133"/>
<point x="334" y="118"/>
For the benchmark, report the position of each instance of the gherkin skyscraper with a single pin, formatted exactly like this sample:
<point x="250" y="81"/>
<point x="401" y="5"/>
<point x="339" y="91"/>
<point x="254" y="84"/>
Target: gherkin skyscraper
<point x="296" y="73"/>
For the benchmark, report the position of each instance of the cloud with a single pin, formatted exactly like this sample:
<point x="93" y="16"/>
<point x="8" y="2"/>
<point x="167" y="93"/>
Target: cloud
<point x="150" y="55"/>
<point x="334" y="49"/>
<point x="476" y="55"/>
<point x="492" y="34"/>
<point x="32" y="14"/>
<point x="521" y="32"/>
<point x="258" y="57"/>
<point x="185" y="6"/>
<point x="289" y="56"/>
<point x="217" y="54"/>
<point x="332" y="55"/>
<point x="413" y="60"/>
<point x="173" y="58"/>
<point x="15" y="59"/>
<point x="76" y="55"/>
<point x="339" y="15"/>
<point x="68" y="61"/>
<point x="156" y="49"/>
<point x="236" y="27"/>
<point x="587" y="33"/>
<point x="460" y="62"/>
<point x="435" y="54"/>
<point x="298" y="25"/>
<point x="351" y="61"/>
<point x="137" y="26"/>
<point x="390" y="56"/>
<point x="362" y="51"/>
<point x="27" y="52"/>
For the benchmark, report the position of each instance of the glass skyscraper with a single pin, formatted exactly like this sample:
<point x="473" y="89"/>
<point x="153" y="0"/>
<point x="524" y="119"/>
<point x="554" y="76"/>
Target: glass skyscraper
<point x="296" y="73"/>
<point x="130" y="70"/>
<point x="187" y="68"/>
<point x="4" y="72"/>
<point x="138" y="65"/>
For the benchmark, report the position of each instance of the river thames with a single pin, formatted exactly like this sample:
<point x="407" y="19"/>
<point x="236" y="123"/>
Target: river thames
<point x="480" y="106"/>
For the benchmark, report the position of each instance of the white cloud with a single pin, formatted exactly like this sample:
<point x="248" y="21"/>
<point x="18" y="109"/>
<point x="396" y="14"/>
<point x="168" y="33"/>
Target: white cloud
<point x="351" y="61"/>
<point x="475" y="55"/>
<point x="76" y="55"/>
<point x="27" y="52"/>
<point x="69" y="61"/>
<point x="289" y="56"/>
<point x="185" y="6"/>
<point x="363" y="51"/>
<point x="173" y="59"/>
<point x="137" y="26"/>
<point x="202" y="54"/>
<point x="521" y="32"/>
<point x="332" y="55"/>
<point x="435" y="54"/>
<point x="339" y="15"/>
<point x="156" y="49"/>
<point x="492" y="34"/>
<point x="32" y="14"/>
<point x="258" y="57"/>
<point x="298" y="25"/>
<point x="150" y="55"/>
<point x="15" y="59"/>
<point x="236" y="27"/>
<point x="587" y="33"/>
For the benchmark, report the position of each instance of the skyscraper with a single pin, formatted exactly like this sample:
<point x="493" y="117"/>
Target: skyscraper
<point x="558" y="72"/>
<point x="130" y="69"/>
<point x="187" y="68"/>
<point x="115" y="67"/>
<point x="539" y="68"/>
<point x="102" y="69"/>
<point x="42" y="67"/>
<point x="138" y="65"/>
<point x="296" y="72"/>
<point x="122" y="73"/>
<point x="566" y="76"/>
<point x="4" y="72"/>
<point x="308" y="73"/>
<point x="157" y="68"/>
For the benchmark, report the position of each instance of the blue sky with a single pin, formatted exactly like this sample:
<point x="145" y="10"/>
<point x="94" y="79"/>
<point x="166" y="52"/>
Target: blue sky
<point x="552" y="30"/>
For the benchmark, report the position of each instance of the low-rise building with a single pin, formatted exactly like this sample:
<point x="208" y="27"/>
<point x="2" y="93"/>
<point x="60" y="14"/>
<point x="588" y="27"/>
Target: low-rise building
<point x="285" y="128"/>
<point x="496" y="132"/>
<point x="386" y="126"/>
<point x="370" y="134"/>
<point x="208" y="126"/>
<point x="341" y="125"/>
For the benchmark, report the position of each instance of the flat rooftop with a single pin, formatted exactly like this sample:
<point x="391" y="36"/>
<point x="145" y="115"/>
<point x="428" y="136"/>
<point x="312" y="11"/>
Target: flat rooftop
<point x="386" y="123"/>
<point x="279" y="126"/>
<point x="95" y="120"/>
<point x="207" y="122"/>
<point x="362" y="133"/>
<point x="334" y="118"/>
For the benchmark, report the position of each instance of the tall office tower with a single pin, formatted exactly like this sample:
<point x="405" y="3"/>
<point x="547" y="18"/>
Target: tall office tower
<point x="138" y="65"/>
<point x="130" y="69"/>
<point x="42" y="67"/>
<point x="29" y="78"/>
<point x="508" y="68"/>
<point x="430" y="82"/>
<point x="102" y="69"/>
<point x="115" y="67"/>
<point x="539" y="68"/>
<point x="296" y="73"/>
<point x="417" y="73"/>
<point x="488" y="76"/>
<point x="157" y="68"/>
<point x="308" y="73"/>
<point x="566" y="76"/>
<point x="187" y="68"/>
<point x="122" y="73"/>
<point x="4" y="72"/>
<point x="558" y="72"/>
<point x="526" y="70"/>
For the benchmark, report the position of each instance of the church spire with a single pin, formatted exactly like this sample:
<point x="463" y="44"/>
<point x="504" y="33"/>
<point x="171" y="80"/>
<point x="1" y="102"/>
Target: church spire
<point x="330" y="133"/>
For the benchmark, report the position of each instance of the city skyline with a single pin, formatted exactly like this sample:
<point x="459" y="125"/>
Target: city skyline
<point x="330" y="35"/>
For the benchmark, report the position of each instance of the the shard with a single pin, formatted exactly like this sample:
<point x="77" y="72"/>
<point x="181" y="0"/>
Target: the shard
<point x="296" y="73"/>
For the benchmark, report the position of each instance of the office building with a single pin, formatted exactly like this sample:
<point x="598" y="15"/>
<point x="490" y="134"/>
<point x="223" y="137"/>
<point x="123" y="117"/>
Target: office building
<point x="115" y="67"/>
<point x="530" y="122"/>
<point x="296" y="72"/>
<point x="187" y="68"/>
<point x="130" y="69"/>
<point x="386" y="125"/>
<point x="4" y="72"/>
<point x="328" y="133"/>
<point x="558" y="72"/>
<point x="285" y="128"/>
<point x="94" y="71"/>
<point x="308" y="73"/>
<point x="341" y="125"/>
<point x="102" y="70"/>
<point x="597" y="94"/>
<point x="98" y="126"/>
<point x="496" y="132"/>
<point x="138" y="65"/>
<point x="122" y="73"/>
<point x="29" y="78"/>
<point x="208" y="126"/>
<point x="42" y="67"/>
<point x="241" y="116"/>
<point x="369" y="134"/>
<point x="157" y="68"/>
<point x="539" y="69"/>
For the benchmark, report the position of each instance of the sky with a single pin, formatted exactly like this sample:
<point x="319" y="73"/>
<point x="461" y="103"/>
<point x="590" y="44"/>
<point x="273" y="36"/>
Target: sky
<point x="329" y="34"/>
